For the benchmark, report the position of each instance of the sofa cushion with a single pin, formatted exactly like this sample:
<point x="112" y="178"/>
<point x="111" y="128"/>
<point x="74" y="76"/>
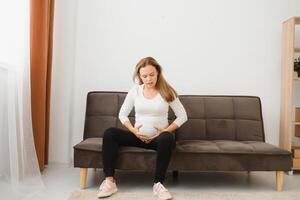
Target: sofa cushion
<point x="229" y="147"/>
<point x="95" y="144"/>
<point x="198" y="146"/>
<point x="221" y="118"/>
<point x="192" y="155"/>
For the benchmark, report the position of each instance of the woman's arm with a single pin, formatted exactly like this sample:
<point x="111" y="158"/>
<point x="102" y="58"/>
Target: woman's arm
<point x="171" y="128"/>
<point x="129" y="126"/>
<point x="181" y="116"/>
<point x="127" y="105"/>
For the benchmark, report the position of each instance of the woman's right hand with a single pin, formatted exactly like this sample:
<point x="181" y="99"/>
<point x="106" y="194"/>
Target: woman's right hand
<point x="140" y="135"/>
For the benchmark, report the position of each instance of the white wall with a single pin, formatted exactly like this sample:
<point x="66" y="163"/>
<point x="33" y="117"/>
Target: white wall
<point x="64" y="46"/>
<point x="228" y="47"/>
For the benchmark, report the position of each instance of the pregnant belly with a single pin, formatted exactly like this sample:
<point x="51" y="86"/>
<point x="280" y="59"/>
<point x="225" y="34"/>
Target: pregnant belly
<point x="147" y="129"/>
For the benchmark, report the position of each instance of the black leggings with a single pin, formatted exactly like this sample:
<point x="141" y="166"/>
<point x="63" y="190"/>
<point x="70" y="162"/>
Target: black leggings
<point x="114" y="138"/>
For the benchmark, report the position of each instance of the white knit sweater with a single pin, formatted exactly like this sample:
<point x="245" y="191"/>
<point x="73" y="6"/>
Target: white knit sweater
<point x="150" y="113"/>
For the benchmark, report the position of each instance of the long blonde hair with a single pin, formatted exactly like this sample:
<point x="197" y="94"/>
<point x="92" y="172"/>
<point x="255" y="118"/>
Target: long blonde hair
<point x="163" y="87"/>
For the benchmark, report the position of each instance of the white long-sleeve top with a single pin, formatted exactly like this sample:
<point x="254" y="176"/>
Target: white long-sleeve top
<point x="150" y="113"/>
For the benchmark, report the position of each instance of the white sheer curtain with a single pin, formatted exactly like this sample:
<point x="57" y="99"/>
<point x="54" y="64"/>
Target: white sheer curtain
<point x="20" y="176"/>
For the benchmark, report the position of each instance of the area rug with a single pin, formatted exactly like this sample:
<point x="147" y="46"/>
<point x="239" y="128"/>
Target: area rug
<point x="88" y="195"/>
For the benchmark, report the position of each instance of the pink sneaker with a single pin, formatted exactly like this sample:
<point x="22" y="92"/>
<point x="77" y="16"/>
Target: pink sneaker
<point x="107" y="188"/>
<point x="161" y="192"/>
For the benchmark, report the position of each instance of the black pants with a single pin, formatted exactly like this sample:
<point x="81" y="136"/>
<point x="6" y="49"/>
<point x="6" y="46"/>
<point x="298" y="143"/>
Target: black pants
<point x="114" y="138"/>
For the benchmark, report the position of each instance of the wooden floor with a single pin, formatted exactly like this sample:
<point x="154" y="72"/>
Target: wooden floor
<point x="61" y="179"/>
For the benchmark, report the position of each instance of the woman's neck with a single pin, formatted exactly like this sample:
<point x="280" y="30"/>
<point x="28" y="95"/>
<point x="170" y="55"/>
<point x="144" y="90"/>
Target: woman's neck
<point x="151" y="89"/>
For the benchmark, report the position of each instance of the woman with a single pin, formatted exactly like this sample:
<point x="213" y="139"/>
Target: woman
<point x="151" y="99"/>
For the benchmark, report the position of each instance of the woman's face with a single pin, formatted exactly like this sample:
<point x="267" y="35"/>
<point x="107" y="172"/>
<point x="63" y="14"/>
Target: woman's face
<point x="148" y="74"/>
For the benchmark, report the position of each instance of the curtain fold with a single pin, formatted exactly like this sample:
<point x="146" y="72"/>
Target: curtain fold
<point x="41" y="20"/>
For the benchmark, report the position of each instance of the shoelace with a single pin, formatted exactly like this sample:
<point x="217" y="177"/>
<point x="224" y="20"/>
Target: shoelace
<point x="161" y="188"/>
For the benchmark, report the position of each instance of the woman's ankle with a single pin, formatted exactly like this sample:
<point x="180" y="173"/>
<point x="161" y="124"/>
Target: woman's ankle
<point x="111" y="179"/>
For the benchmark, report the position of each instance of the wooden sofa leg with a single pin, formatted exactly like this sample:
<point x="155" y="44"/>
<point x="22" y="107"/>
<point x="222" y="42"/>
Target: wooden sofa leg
<point x="83" y="175"/>
<point x="279" y="180"/>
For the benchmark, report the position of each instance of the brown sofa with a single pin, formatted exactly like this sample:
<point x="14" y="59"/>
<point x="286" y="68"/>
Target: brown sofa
<point x="223" y="133"/>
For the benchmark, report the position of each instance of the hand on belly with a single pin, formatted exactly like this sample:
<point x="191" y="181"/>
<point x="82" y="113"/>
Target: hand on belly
<point x="148" y="130"/>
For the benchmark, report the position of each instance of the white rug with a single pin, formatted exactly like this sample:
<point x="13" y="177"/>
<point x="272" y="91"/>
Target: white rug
<point x="88" y="195"/>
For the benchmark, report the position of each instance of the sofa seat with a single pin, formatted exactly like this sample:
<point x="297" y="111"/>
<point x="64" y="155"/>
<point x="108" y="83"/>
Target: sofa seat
<point x="229" y="147"/>
<point x="193" y="155"/>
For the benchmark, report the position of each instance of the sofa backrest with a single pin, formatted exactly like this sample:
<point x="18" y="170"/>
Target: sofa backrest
<point x="209" y="117"/>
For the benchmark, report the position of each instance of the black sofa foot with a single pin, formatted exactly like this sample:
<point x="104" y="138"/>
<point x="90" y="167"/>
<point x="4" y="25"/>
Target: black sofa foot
<point x="175" y="175"/>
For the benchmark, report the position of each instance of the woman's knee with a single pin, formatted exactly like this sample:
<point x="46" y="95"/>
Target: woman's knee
<point x="167" y="137"/>
<point x="108" y="133"/>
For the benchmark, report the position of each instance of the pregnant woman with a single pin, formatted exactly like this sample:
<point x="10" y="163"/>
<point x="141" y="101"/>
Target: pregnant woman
<point x="151" y="98"/>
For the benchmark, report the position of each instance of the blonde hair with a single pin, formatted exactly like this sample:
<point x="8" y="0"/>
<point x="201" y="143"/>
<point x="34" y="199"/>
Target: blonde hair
<point x="163" y="87"/>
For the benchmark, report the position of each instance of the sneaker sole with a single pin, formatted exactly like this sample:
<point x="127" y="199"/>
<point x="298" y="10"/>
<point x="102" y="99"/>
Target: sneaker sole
<point x="156" y="195"/>
<point x="104" y="196"/>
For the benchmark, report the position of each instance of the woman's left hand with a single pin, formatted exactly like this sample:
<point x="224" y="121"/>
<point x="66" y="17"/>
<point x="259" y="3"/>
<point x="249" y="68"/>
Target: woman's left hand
<point x="159" y="131"/>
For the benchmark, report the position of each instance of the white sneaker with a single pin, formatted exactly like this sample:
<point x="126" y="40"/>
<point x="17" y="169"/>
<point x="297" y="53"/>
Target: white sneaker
<point x="161" y="192"/>
<point x="107" y="188"/>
